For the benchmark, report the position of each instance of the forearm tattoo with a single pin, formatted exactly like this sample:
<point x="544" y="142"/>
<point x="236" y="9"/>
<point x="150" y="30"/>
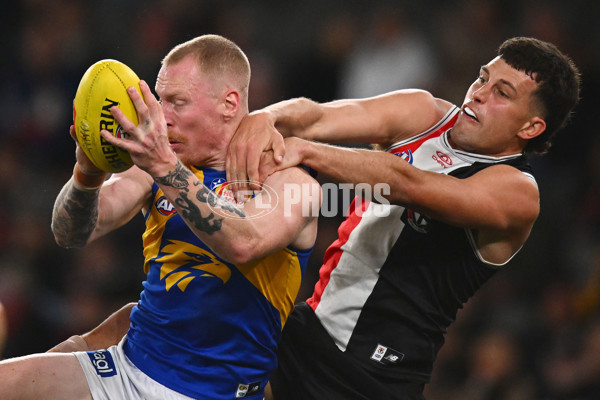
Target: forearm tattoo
<point x="188" y="209"/>
<point x="177" y="179"/>
<point x="74" y="217"/>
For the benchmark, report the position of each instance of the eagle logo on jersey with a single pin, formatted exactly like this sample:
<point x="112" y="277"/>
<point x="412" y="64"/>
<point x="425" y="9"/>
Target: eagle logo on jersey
<point x="182" y="262"/>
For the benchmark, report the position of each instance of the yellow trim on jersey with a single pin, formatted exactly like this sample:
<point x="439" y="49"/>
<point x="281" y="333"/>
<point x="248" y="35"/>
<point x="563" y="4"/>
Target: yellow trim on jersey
<point x="278" y="277"/>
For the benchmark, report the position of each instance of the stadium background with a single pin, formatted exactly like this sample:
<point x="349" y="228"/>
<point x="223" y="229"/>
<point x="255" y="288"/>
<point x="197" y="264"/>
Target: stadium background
<point x="532" y="332"/>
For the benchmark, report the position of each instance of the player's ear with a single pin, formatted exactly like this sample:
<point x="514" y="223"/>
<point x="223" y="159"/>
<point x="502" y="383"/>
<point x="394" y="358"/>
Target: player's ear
<point x="532" y="128"/>
<point x="231" y="104"/>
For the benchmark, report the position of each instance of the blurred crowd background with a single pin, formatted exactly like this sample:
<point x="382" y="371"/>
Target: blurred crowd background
<point x="533" y="332"/>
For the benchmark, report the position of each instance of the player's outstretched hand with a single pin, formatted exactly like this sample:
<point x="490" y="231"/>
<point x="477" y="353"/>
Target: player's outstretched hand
<point x="255" y="136"/>
<point x="148" y="142"/>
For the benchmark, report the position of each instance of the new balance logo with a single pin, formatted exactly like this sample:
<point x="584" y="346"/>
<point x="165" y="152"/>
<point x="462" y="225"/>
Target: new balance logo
<point x="387" y="356"/>
<point x="247" y="389"/>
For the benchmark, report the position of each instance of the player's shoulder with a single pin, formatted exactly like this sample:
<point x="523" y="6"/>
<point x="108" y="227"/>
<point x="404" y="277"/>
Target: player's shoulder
<point x="510" y="175"/>
<point x="429" y="108"/>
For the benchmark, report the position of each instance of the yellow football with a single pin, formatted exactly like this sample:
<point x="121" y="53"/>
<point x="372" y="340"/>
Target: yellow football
<point x="102" y="86"/>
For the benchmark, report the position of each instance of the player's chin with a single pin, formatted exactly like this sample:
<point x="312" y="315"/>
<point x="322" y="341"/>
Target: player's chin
<point x="186" y="159"/>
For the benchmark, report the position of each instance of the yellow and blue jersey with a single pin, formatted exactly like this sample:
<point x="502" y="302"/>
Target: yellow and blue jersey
<point x="203" y="326"/>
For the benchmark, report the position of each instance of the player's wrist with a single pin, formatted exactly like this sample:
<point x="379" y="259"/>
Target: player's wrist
<point x="265" y="117"/>
<point x="304" y="150"/>
<point x="164" y="168"/>
<point x="86" y="181"/>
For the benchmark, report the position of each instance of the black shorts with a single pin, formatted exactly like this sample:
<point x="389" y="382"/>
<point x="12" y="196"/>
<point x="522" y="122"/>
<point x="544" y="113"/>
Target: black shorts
<point x="311" y="367"/>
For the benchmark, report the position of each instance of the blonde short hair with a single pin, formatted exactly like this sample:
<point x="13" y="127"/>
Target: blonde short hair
<point x="216" y="56"/>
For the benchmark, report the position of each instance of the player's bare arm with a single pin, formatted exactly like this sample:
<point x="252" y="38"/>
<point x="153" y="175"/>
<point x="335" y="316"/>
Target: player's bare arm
<point x="108" y="333"/>
<point x="383" y="119"/>
<point x="89" y="206"/>
<point x="499" y="203"/>
<point x="182" y="182"/>
<point x="76" y="207"/>
<point x="230" y="231"/>
<point x="75" y="215"/>
<point x="241" y="233"/>
<point x="81" y="216"/>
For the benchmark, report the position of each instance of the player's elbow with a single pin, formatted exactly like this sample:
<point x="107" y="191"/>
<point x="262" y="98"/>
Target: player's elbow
<point x="243" y="251"/>
<point x="66" y="244"/>
<point x="64" y="240"/>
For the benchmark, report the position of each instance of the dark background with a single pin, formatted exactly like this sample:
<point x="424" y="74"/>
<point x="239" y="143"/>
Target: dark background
<point x="533" y="332"/>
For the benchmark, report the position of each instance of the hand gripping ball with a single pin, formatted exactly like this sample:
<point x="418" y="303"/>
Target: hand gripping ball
<point x="103" y="86"/>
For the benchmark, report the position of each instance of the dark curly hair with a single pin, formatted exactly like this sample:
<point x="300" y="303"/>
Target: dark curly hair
<point x="558" y="83"/>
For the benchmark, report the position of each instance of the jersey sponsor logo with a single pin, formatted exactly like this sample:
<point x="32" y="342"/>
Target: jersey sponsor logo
<point x="387" y="356"/>
<point x="164" y="206"/>
<point x="405" y="155"/>
<point x="103" y="363"/>
<point x="417" y="221"/>
<point x="445" y="158"/>
<point x="442" y="158"/>
<point x="247" y="389"/>
<point x="182" y="262"/>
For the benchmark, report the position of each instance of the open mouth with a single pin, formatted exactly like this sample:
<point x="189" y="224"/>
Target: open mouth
<point x="470" y="113"/>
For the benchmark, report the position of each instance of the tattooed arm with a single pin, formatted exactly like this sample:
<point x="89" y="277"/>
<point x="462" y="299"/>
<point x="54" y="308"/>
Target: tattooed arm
<point x="181" y="179"/>
<point x="74" y="216"/>
<point x="243" y="233"/>
<point x="237" y="235"/>
<point x="81" y="215"/>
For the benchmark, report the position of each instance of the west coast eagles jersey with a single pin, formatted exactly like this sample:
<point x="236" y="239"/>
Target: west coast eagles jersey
<point x="205" y="327"/>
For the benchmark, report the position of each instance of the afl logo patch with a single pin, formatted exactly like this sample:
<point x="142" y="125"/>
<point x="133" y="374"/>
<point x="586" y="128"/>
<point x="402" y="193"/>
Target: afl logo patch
<point x="417" y="221"/>
<point x="164" y="206"/>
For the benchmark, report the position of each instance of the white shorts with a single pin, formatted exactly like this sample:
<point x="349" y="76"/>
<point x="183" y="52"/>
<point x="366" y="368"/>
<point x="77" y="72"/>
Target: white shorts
<point x="111" y="375"/>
